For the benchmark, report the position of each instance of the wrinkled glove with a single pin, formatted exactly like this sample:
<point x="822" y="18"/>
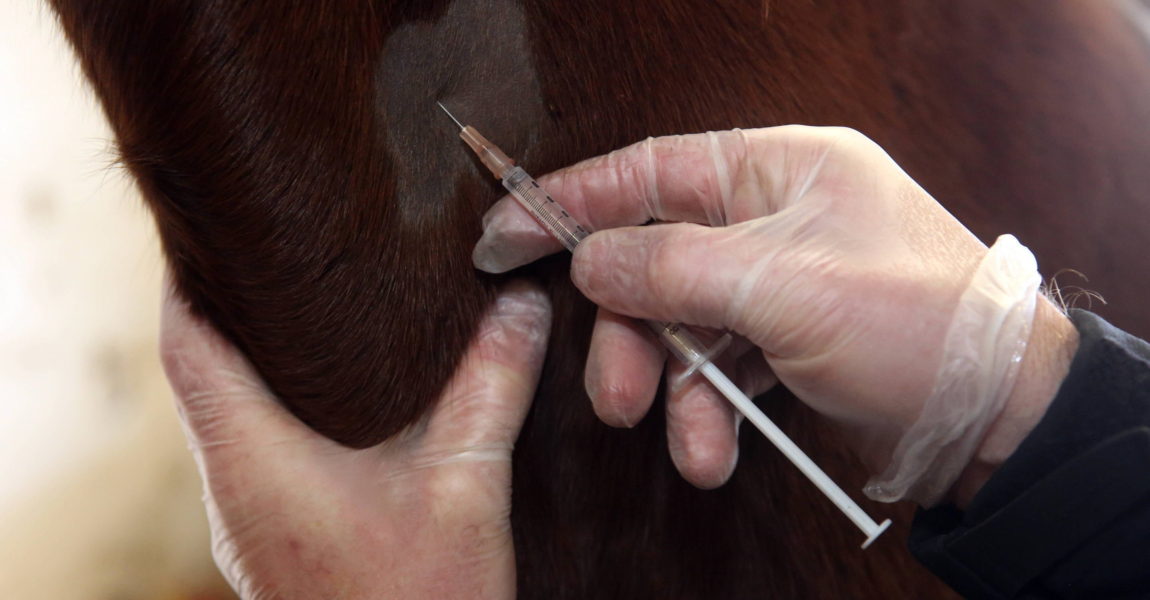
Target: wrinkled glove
<point x="422" y="515"/>
<point x="841" y="275"/>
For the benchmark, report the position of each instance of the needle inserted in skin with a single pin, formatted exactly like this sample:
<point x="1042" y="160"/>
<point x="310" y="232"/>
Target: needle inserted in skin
<point x="450" y="115"/>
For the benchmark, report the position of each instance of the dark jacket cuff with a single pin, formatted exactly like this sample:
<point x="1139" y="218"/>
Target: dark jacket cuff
<point x="1068" y="515"/>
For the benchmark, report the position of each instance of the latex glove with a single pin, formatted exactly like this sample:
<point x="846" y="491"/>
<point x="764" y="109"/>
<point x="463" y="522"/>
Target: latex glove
<point x="423" y="515"/>
<point x="839" y="270"/>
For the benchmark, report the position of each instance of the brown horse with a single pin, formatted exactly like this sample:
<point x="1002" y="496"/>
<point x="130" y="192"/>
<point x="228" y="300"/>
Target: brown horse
<point x="315" y="205"/>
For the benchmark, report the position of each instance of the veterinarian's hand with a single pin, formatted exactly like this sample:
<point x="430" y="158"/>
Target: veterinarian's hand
<point x="839" y="272"/>
<point x="423" y="515"/>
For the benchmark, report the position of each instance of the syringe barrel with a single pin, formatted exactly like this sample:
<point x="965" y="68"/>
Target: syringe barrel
<point x="544" y="208"/>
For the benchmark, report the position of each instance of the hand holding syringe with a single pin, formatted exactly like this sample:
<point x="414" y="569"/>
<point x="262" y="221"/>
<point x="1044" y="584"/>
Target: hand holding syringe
<point x="682" y="344"/>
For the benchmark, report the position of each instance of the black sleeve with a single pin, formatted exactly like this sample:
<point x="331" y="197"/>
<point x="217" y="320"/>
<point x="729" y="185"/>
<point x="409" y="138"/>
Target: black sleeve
<point x="1068" y="515"/>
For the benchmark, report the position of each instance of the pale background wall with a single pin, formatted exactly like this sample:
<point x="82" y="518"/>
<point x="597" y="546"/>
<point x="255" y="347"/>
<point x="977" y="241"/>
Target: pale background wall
<point x="98" y="495"/>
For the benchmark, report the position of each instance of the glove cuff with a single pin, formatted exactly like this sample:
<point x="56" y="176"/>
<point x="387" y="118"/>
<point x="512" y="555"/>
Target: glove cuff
<point x="984" y="346"/>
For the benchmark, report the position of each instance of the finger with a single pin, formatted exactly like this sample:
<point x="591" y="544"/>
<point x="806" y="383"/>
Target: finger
<point x="222" y="402"/>
<point x="701" y="432"/>
<point x="701" y="435"/>
<point x="511" y="238"/>
<point x="676" y="178"/>
<point x="624" y="367"/>
<point x="676" y="272"/>
<point x="487" y="399"/>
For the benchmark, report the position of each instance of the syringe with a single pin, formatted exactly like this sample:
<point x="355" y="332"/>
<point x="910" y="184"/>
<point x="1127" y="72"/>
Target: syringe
<point x="677" y="338"/>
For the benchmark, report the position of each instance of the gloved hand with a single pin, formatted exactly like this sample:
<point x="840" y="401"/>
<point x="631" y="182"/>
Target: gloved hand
<point x="842" y="276"/>
<point x="295" y="515"/>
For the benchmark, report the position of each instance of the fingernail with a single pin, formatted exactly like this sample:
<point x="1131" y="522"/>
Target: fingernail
<point x="522" y="298"/>
<point x="490" y="252"/>
<point x="592" y="383"/>
<point x="624" y="418"/>
<point x="518" y="323"/>
<point x="511" y="239"/>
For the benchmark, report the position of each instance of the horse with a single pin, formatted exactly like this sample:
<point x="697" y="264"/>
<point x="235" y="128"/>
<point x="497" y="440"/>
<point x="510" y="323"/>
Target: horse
<point x="313" y="204"/>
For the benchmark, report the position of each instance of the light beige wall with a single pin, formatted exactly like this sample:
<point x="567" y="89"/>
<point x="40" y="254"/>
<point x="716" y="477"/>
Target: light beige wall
<point x="98" y="496"/>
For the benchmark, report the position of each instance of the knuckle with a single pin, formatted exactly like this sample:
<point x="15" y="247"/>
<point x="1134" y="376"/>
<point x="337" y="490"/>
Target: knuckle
<point x="845" y="131"/>
<point x="852" y="140"/>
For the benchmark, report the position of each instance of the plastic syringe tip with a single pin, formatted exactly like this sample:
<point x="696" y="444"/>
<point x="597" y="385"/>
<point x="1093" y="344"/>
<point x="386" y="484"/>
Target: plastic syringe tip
<point x="489" y="154"/>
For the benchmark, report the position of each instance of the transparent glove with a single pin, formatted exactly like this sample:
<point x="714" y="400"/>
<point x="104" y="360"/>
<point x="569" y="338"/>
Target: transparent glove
<point x="423" y="515"/>
<point x="842" y="276"/>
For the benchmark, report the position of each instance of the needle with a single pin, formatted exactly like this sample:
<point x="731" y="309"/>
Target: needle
<point x="450" y="115"/>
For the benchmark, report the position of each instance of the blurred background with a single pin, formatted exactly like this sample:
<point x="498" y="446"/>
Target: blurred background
<point x="99" y="498"/>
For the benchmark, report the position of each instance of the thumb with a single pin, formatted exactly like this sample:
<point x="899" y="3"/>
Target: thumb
<point x="678" y="272"/>
<point x="223" y="404"/>
<point x="484" y="404"/>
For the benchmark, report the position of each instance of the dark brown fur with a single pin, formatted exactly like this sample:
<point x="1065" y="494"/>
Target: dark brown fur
<point x="288" y="154"/>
